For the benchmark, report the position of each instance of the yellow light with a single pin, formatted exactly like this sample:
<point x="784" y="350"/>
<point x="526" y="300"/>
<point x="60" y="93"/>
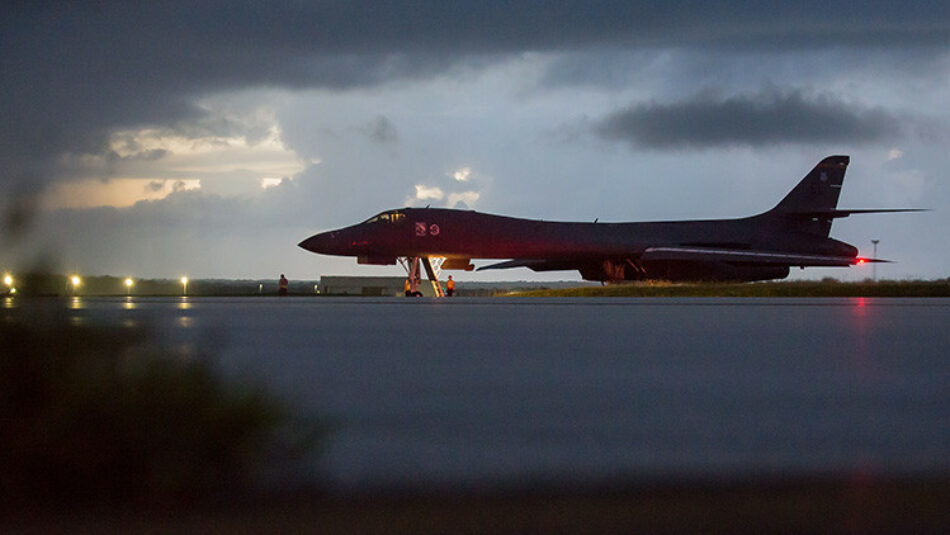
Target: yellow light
<point x="128" y="282"/>
<point x="12" y="291"/>
<point x="8" y="280"/>
<point x="184" y="280"/>
<point x="75" y="280"/>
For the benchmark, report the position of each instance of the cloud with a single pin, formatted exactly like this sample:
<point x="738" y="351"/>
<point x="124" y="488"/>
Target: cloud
<point x="122" y="66"/>
<point x="425" y="193"/>
<point x="119" y="192"/>
<point x="463" y="200"/>
<point x="270" y="182"/>
<point x="770" y="117"/>
<point x="231" y="164"/>
<point x="382" y="131"/>
<point x="155" y="186"/>
<point x="452" y="199"/>
<point x="124" y="96"/>
<point x="185" y="185"/>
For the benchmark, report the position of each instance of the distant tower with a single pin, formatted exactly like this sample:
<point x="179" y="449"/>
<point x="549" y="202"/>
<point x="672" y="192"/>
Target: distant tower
<point x="874" y="266"/>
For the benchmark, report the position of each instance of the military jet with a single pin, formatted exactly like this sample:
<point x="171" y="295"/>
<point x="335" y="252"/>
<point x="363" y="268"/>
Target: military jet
<point x="795" y="233"/>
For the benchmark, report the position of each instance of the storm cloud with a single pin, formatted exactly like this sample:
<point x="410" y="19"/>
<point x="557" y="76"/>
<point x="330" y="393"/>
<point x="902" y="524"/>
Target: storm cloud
<point x="72" y="72"/>
<point x="312" y="115"/>
<point x="770" y="117"/>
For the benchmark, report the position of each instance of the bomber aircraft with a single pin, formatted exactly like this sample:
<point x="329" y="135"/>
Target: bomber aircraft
<point x="793" y="233"/>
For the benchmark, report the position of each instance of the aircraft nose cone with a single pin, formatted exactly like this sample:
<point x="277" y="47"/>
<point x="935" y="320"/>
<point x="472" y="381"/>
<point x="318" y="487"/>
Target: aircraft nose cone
<point x="318" y="243"/>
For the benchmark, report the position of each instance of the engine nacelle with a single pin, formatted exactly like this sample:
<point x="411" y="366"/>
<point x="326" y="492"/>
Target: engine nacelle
<point x="713" y="271"/>
<point x="458" y="263"/>
<point x="681" y="271"/>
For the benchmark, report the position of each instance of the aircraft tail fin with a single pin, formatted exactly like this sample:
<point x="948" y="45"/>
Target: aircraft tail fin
<point x="810" y="206"/>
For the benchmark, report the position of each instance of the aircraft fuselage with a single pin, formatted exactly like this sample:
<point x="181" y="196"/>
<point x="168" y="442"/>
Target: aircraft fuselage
<point x="470" y="234"/>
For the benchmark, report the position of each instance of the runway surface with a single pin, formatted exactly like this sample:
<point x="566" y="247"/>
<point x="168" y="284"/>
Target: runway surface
<point x="428" y="393"/>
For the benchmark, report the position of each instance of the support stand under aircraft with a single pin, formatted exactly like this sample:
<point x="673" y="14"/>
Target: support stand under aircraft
<point x="433" y="268"/>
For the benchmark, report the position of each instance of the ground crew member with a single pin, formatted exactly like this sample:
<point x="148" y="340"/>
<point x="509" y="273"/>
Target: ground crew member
<point x="450" y="287"/>
<point x="417" y="292"/>
<point x="408" y="288"/>
<point x="282" y="289"/>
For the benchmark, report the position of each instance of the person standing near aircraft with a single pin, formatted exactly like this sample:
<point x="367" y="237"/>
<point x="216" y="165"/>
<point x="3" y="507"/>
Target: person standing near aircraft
<point x="416" y="292"/>
<point x="282" y="285"/>
<point x="408" y="288"/>
<point x="450" y="287"/>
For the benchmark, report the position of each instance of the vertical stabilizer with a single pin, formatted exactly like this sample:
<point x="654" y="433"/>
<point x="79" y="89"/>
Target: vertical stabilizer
<point x="816" y="194"/>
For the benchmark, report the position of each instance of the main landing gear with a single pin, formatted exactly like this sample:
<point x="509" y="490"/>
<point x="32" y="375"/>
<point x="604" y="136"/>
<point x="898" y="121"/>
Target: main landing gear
<point x="433" y="268"/>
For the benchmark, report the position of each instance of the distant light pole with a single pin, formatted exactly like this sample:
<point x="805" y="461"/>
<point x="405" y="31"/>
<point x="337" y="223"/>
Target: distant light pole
<point x="874" y="255"/>
<point x="184" y="286"/>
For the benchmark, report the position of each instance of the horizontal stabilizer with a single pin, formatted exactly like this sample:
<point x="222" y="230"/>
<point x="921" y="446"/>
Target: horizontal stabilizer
<point x="833" y="213"/>
<point x="710" y="254"/>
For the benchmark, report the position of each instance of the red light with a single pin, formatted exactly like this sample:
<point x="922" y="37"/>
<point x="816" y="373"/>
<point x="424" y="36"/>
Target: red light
<point x="861" y="261"/>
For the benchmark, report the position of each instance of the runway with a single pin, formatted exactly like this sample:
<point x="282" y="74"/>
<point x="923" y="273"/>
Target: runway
<point x="431" y="393"/>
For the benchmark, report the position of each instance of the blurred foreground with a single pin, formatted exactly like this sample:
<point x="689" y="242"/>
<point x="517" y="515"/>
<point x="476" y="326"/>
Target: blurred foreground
<point x="837" y="505"/>
<point x="100" y="416"/>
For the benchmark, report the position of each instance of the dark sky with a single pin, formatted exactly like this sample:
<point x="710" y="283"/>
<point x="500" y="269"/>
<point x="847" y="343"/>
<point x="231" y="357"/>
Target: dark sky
<point x="209" y="139"/>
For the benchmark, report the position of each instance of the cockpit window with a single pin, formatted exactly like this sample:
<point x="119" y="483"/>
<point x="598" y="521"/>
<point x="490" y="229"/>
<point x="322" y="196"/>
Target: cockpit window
<point x="387" y="217"/>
